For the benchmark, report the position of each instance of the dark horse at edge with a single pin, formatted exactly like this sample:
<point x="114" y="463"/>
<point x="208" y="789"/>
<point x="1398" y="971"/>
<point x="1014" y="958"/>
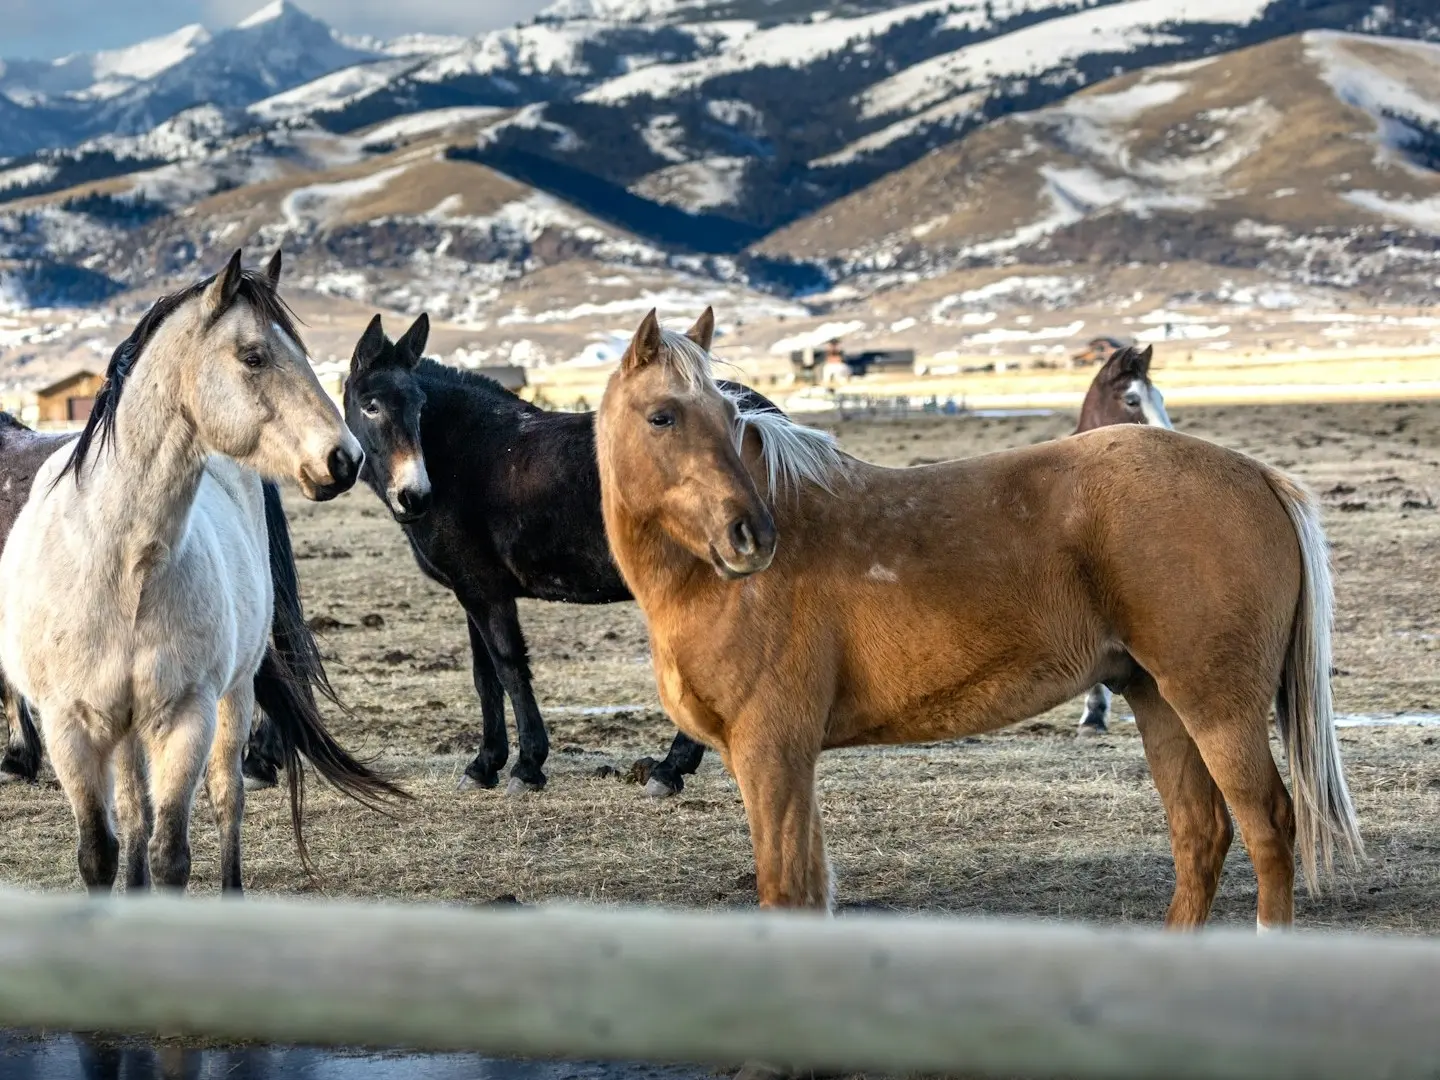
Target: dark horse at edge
<point x="500" y="500"/>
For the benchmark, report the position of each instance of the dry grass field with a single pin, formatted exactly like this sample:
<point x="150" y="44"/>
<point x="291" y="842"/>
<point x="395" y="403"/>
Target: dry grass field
<point x="1030" y="821"/>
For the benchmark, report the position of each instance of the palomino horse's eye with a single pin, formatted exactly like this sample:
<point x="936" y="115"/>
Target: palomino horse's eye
<point x="371" y="408"/>
<point x="662" y="420"/>
<point x="253" y="361"/>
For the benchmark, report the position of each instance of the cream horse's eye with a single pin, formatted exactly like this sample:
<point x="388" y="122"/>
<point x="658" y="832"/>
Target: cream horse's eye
<point x="253" y="360"/>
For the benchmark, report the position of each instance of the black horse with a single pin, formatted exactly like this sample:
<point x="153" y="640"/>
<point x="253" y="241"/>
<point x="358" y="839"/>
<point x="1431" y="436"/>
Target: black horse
<point x="500" y="500"/>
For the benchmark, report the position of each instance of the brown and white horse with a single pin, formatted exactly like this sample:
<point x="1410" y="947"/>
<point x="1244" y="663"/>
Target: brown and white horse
<point x="1120" y="393"/>
<point x="800" y="599"/>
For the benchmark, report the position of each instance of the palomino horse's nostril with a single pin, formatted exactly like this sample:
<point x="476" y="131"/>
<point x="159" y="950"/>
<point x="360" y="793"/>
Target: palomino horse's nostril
<point x="742" y="538"/>
<point x="343" y="468"/>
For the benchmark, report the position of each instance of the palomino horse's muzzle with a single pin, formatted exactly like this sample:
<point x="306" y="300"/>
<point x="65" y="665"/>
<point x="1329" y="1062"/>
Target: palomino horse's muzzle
<point x="748" y="546"/>
<point x="343" y="464"/>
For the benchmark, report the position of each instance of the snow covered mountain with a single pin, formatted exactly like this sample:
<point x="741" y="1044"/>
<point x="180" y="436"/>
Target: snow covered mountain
<point x="788" y="145"/>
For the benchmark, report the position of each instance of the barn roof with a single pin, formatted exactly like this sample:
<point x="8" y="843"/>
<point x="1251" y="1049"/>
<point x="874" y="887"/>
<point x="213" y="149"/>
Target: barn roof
<point x="64" y="384"/>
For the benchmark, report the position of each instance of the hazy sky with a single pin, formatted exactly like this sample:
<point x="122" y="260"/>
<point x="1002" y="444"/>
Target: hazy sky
<point x="48" y="28"/>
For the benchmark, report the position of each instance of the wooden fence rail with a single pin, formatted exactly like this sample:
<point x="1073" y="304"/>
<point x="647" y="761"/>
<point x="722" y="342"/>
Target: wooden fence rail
<point x="857" y="993"/>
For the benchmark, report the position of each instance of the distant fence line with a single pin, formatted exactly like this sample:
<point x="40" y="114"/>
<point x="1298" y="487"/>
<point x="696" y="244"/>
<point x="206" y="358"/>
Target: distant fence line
<point x="858" y="993"/>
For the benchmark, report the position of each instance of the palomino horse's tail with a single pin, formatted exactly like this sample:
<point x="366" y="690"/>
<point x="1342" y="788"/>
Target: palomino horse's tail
<point x="285" y="688"/>
<point x="1324" y="816"/>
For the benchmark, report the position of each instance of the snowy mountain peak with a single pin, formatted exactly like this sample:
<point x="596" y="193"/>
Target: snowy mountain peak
<point x="269" y="13"/>
<point x="149" y="58"/>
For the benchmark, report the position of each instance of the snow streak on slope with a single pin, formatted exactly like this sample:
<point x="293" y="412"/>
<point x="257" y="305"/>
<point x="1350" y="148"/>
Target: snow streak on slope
<point x="330" y="92"/>
<point x="1353" y="67"/>
<point x="786" y="45"/>
<point x="1045" y="46"/>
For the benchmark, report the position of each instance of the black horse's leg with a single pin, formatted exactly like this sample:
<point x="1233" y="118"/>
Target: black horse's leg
<point x="494" y="745"/>
<point x="501" y="631"/>
<point x="261" y="763"/>
<point x="23" y="748"/>
<point x="1097" y="707"/>
<point x="667" y="777"/>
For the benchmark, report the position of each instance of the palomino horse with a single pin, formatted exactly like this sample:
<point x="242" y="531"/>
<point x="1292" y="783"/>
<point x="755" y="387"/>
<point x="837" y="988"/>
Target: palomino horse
<point x="799" y="599"/>
<point x="499" y="500"/>
<point x="1120" y="393"/>
<point x="187" y="570"/>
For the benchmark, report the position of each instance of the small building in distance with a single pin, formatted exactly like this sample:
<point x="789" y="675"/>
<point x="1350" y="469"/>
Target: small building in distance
<point x="68" y="401"/>
<point x="1097" y="351"/>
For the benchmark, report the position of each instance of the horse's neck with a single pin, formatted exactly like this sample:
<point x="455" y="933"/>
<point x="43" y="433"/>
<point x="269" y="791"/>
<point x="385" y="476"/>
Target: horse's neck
<point x="657" y="571"/>
<point x="140" y="489"/>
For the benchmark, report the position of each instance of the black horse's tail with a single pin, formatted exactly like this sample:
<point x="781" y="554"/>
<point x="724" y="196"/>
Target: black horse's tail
<point x="285" y="688"/>
<point x="23" y="749"/>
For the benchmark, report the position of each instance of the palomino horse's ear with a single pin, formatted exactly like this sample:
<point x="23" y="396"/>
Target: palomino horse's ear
<point x="221" y="293"/>
<point x="411" y="347"/>
<point x="272" y="269"/>
<point x="369" y="347"/>
<point x="703" y="332"/>
<point x="645" y="345"/>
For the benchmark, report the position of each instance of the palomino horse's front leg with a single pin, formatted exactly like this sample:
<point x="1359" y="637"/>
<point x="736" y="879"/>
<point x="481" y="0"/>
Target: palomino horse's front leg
<point x="778" y="786"/>
<point x="224" y="781"/>
<point x="177" y="746"/>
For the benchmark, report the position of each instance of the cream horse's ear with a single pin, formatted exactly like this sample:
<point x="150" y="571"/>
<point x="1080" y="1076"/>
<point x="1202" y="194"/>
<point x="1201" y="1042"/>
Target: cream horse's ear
<point x="703" y="332"/>
<point x="272" y="270"/>
<point x="221" y="292"/>
<point x="645" y="345"/>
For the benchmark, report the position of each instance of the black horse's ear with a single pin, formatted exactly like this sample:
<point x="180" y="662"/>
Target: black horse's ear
<point x="272" y="269"/>
<point x="369" y="347"/>
<point x="411" y="347"/>
<point x="221" y="293"/>
<point x="645" y="345"/>
<point x="703" y="332"/>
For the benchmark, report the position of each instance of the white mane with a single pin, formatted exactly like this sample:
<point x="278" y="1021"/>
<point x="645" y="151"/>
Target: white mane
<point x="794" y="454"/>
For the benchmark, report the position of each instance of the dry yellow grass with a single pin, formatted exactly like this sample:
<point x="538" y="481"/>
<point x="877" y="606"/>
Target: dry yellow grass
<point x="1026" y="822"/>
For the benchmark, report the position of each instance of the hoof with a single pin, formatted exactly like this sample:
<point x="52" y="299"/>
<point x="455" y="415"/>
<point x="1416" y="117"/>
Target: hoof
<point x="477" y="777"/>
<point x="656" y="788"/>
<point x="1087" y="728"/>
<point x="516" y="786"/>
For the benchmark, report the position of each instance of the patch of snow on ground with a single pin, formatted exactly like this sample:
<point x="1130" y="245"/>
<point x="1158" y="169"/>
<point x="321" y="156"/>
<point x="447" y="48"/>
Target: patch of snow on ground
<point x="663" y="134"/>
<point x="813" y="339"/>
<point x="786" y="45"/>
<point x="423" y="123"/>
<point x="534" y="49"/>
<point x="696" y="185"/>
<point x="25" y="175"/>
<point x="1188" y="331"/>
<point x="534" y="118"/>
<point x="1120" y="27"/>
<point x="329" y="92"/>
<point x="1421" y="213"/>
<point x="960" y="107"/>
<point x="1359" y="83"/>
<point x="1004" y="336"/>
<point x="310" y="205"/>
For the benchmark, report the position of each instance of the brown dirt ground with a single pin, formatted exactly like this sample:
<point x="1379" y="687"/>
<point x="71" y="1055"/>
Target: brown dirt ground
<point x="1030" y="821"/>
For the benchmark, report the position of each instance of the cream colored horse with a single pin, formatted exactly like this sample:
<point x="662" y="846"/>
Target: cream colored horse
<point x="139" y="595"/>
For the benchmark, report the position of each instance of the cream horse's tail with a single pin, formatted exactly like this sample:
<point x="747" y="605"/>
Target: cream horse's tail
<point x="1324" y="815"/>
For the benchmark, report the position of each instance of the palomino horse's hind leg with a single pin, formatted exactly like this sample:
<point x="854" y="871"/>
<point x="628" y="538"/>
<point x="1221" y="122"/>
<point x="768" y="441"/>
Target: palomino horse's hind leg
<point x="1097" y="708"/>
<point x="1200" y="830"/>
<point x="1234" y="740"/>
<point x="224" y="781"/>
<point x="132" y="806"/>
<point x="177" y="746"/>
<point x="494" y="750"/>
<point x="778" y="786"/>
<point x="82" y="768"/>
